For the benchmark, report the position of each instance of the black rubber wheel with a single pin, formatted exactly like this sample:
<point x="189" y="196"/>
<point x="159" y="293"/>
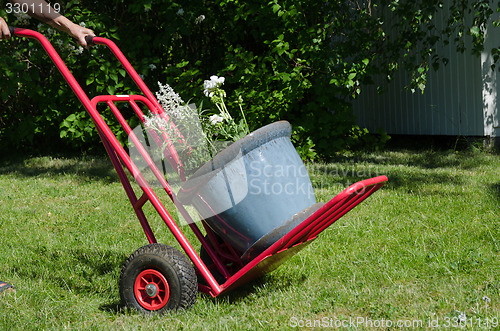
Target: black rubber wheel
<point x="158" y="278"/>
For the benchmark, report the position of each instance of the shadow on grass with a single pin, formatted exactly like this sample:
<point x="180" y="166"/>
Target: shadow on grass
<point x="233" y="297"/>
<point x="401" y="181"/>
<point x="423" y="159"/>
<point x="332" y="175"/>
<point x="114" y="307"/>
<point x="77" y="270"/>
<point x="268" y="282"/>
<point x="86" y="272"/>
<point x="85" y="168"/>
<point x="494" y="189"/>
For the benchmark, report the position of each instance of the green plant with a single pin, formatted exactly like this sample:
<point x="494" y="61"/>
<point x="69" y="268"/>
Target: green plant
<point x="362" y="139"/>
<point x="304" y="143"/>
<point x="301" y="61"/>
<point x="196" y="134"/>
<point x="221" y="126"/>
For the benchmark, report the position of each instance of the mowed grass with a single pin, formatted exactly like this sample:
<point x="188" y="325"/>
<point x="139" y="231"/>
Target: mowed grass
<point x="425" y="249"/>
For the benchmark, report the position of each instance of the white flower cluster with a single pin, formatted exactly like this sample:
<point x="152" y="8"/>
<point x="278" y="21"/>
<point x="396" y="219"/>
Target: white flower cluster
<point x="69" y="47"/>
<point x="214" y="119"/>
<point x="210" y="86"/>
<point x="222" y="126"/>
<point x="22" y="18"/>
<point x="199" y="19"/>
<point x="171" y="102"/>
<point x="49" y="32"/>
<point x="78" y="50"/>
<point x="155" y="121"/>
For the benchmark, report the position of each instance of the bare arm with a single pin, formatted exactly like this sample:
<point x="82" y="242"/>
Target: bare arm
<point x="42" y="11"/>
<point x="4" y="29"/>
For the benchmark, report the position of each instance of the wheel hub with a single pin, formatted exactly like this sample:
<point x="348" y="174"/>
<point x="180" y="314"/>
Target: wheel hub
<point x="151" y="290"/>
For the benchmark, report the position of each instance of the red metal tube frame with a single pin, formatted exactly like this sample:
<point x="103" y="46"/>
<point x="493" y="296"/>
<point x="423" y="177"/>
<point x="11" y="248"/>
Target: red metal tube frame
<point x="117" y="153"/>
<point x="304" y="233"/>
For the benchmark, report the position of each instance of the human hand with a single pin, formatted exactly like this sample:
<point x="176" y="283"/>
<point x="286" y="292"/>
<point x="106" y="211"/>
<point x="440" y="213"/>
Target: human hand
<point x="4" y="29"/>
<point x="79" y="33"/>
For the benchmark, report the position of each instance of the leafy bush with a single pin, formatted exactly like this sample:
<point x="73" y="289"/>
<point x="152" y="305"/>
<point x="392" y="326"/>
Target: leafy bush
<point x="301" y="61"/>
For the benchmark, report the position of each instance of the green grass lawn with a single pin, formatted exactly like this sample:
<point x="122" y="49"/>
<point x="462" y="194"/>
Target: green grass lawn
<point x="423" y="251"/>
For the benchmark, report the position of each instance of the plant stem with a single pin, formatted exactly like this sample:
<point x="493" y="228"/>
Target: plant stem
<point x="244" y="119"/>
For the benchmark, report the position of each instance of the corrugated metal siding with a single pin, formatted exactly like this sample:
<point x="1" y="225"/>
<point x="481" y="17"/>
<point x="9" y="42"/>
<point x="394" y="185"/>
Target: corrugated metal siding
<point x="452" y="103"/>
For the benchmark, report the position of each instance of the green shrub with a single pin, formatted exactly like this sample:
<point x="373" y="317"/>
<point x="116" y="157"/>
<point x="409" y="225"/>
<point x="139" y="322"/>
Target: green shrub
<point x="277" y="55"/>
<point x="301" y="61"/>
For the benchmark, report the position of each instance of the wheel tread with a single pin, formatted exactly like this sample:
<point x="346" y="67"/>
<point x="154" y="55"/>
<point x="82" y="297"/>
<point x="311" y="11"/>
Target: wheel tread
<point x="184" y="269"/>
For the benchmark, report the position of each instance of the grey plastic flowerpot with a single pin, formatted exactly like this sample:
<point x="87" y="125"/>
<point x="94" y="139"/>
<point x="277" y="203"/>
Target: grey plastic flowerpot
<point x="250" y="192"/>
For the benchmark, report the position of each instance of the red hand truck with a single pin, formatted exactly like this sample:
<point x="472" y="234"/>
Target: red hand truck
<point x="157" y="277"/>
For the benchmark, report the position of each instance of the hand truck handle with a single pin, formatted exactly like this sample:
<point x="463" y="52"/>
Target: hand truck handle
<point x="89" y="40"/>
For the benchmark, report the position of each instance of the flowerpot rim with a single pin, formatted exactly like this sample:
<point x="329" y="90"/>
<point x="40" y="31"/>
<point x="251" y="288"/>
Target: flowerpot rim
<point x="234" y="151"/>
<point x="245" y="145"/>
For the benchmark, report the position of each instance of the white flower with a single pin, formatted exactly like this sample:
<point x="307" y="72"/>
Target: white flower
<point x="211" y="85"/>
<point x="218" y="80"/>
<point x="22" y="17"/>
<point x="214" y="119"/>
<point x="199" y="19"/>
<point x="486" y="299"/>
<point x="156" y="122"/>
<point x="180" y="12"/>
<point x="171" y="101"/>
<point x="79" y="50"/>
<point x="149" y="121"/>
